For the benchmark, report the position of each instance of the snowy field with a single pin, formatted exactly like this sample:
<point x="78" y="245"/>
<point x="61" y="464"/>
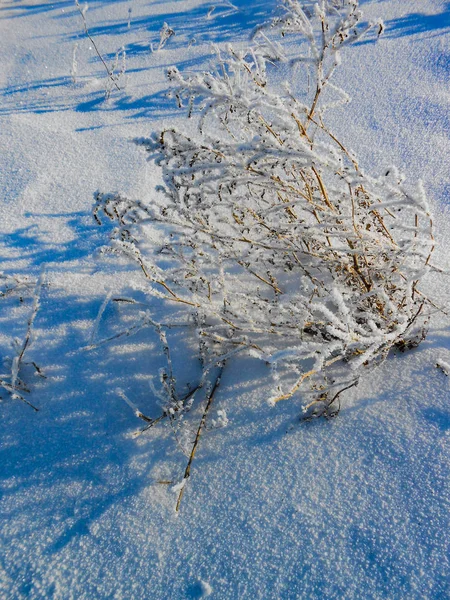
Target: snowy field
<point x="353" y="508"/>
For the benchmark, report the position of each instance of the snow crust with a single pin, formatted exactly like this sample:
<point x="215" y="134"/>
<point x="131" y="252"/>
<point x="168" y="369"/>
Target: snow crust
<point x="358" y="507"/>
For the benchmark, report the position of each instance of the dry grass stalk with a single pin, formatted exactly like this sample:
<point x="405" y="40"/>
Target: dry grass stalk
<point x="209" y="401"/>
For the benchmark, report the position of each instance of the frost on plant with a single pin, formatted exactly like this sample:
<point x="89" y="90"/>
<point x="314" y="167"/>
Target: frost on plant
<point x="11" y="381"/>
<point x="165" y="34"/>
<point x="116" y="73"/>
<point x="267" y="229"/>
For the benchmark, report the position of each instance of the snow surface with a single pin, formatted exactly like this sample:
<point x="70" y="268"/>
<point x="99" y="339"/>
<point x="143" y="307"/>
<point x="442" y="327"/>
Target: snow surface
<point x="353" y="508"/>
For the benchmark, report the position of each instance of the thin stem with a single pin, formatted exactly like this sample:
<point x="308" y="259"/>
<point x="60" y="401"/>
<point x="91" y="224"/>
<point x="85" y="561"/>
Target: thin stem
<point x="209" y="402"/>
<point x="86" y="30"/>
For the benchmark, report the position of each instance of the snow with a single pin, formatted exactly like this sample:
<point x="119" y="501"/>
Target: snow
<point x="357" y="507"/>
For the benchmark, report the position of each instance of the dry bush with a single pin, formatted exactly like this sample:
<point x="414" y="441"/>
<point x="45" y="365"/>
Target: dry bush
<point x="267" y="227"/>
<point x="267" y="230"/>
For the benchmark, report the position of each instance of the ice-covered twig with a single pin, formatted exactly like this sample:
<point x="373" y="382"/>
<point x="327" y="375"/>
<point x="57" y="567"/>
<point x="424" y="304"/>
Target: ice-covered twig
<point x="74" y="71"/>
<point x="165" y="34"/>
<point x="443" y="366"/>
<point x="209" y="401"/>
<point x="14" y="284"/>
<point x="15" y="385"/>
<point x="214" y="13"/>
<point x="112" y="78"/>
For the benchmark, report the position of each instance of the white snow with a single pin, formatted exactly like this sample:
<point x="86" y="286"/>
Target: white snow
<point x="354" y="508"/>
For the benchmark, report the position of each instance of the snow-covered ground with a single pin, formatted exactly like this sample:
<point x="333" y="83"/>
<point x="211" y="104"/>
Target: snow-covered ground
<point x="358" y="507"/>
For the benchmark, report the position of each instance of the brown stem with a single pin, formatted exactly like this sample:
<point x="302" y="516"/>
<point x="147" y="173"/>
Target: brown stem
<point x="301" y="379"/>
<point x="323" y="188"/>
<point x="187" y="472"/>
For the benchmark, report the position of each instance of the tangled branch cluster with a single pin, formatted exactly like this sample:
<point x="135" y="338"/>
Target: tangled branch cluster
<point x="266" y="227"/>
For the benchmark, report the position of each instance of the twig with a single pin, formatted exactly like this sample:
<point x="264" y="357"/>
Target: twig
<point x="187" y="472"/>
<point x="326" y="411"/>
<point x="16" y="384"/>
<point x="331" y="415"/>
<point x="163" y="415"/>
<point x="86" y="30"/>
<point x="302" y="378"/>
<point x="443" y="366"/>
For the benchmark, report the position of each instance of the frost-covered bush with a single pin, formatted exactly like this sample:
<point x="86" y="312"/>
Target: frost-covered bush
<point x="267" y="229"/>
